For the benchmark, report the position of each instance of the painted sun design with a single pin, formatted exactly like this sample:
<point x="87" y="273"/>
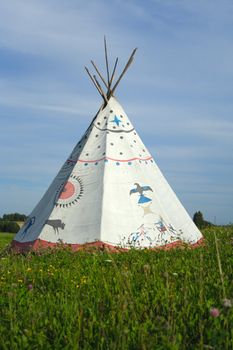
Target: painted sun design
<point x="70" y="192"/>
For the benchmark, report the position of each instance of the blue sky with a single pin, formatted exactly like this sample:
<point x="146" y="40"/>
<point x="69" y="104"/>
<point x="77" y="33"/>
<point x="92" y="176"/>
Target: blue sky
<point x="178" y="93"/>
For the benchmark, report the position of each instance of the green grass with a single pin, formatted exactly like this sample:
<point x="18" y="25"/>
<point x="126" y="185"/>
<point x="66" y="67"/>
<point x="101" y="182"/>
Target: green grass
<point x="134" y="300"/>
<point x="5" y="239"/>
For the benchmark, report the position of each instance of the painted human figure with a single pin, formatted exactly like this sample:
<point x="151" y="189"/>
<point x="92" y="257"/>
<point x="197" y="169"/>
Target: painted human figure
<point x="139" y="236"/>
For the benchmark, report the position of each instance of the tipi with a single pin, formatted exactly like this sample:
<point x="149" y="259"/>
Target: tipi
<point x="109" y="192"/>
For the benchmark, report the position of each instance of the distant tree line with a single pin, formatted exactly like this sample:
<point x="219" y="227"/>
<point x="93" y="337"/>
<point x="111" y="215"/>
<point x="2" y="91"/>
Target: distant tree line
<point x="14" y="217"/>
<point x="8" y="222"/>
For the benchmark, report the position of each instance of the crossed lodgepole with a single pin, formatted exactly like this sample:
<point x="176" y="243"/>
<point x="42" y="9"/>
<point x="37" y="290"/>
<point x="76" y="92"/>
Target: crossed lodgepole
<point x="110" y="77"/>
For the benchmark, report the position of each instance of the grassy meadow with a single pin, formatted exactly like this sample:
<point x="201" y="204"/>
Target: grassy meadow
<point x="177" y="299"/>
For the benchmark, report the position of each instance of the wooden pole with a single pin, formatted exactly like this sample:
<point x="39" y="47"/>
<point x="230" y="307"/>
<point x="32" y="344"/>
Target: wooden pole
<point x="100" y="88"/>
<point x="110" y="93"/>
<point x="130" y="60"/>
<point x="99" y="74"/>
<point x="113" y="73"/>
<point x="96" y="85"/>
<point x="106" y="58"/>
<point x="109" y="82"/>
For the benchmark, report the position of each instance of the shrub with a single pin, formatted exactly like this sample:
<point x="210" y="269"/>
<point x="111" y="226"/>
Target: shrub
<point x="199" y="220"/>
<point x="9" y="226"/>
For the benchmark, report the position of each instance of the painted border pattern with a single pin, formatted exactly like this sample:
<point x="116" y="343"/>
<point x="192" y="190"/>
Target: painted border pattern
<point x="39" y="244"/>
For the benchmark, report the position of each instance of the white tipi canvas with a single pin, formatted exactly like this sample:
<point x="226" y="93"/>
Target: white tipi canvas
<point x="111" y="192"/>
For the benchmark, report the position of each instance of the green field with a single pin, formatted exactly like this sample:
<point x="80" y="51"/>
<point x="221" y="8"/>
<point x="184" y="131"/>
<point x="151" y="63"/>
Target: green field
<point x="134" y="300"/>
<point x="5" y="239"/>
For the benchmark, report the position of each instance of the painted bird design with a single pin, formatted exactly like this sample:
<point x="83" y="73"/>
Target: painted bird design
<point x="140" y="189"/>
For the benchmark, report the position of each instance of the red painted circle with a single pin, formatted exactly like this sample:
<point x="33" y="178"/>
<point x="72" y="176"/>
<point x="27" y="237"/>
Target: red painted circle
<point x="67" y="191"/>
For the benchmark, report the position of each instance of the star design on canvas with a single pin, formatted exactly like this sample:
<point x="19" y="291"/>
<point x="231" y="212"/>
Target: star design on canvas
<point x="116" y="120"/>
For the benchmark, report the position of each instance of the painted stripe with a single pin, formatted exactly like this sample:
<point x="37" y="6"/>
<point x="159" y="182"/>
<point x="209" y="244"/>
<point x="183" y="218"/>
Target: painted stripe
<point x="117" y="131"/>
<point x="108" y="158"/>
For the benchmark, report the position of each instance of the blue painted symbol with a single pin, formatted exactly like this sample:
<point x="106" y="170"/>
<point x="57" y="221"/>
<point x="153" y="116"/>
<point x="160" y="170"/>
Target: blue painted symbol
<point x="28" y="224"/>
<point x="140" y="189"/>
<point x="143" y="199"/>
<point x="116" y="120"/>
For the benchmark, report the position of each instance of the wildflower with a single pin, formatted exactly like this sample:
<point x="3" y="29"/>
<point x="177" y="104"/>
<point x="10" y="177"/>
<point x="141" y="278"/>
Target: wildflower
<point x="29" y="269"/>
<point x="83" y="280"/>
<point x="30" y="287"/>
<point x="227" y="302"/>
<point x="175" y="274"/>
<point x="20" y="280"/>
<point x="214" y="312"/>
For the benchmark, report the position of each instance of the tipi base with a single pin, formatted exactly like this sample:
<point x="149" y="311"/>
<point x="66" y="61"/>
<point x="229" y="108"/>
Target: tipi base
<point x="39" y="244"/>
